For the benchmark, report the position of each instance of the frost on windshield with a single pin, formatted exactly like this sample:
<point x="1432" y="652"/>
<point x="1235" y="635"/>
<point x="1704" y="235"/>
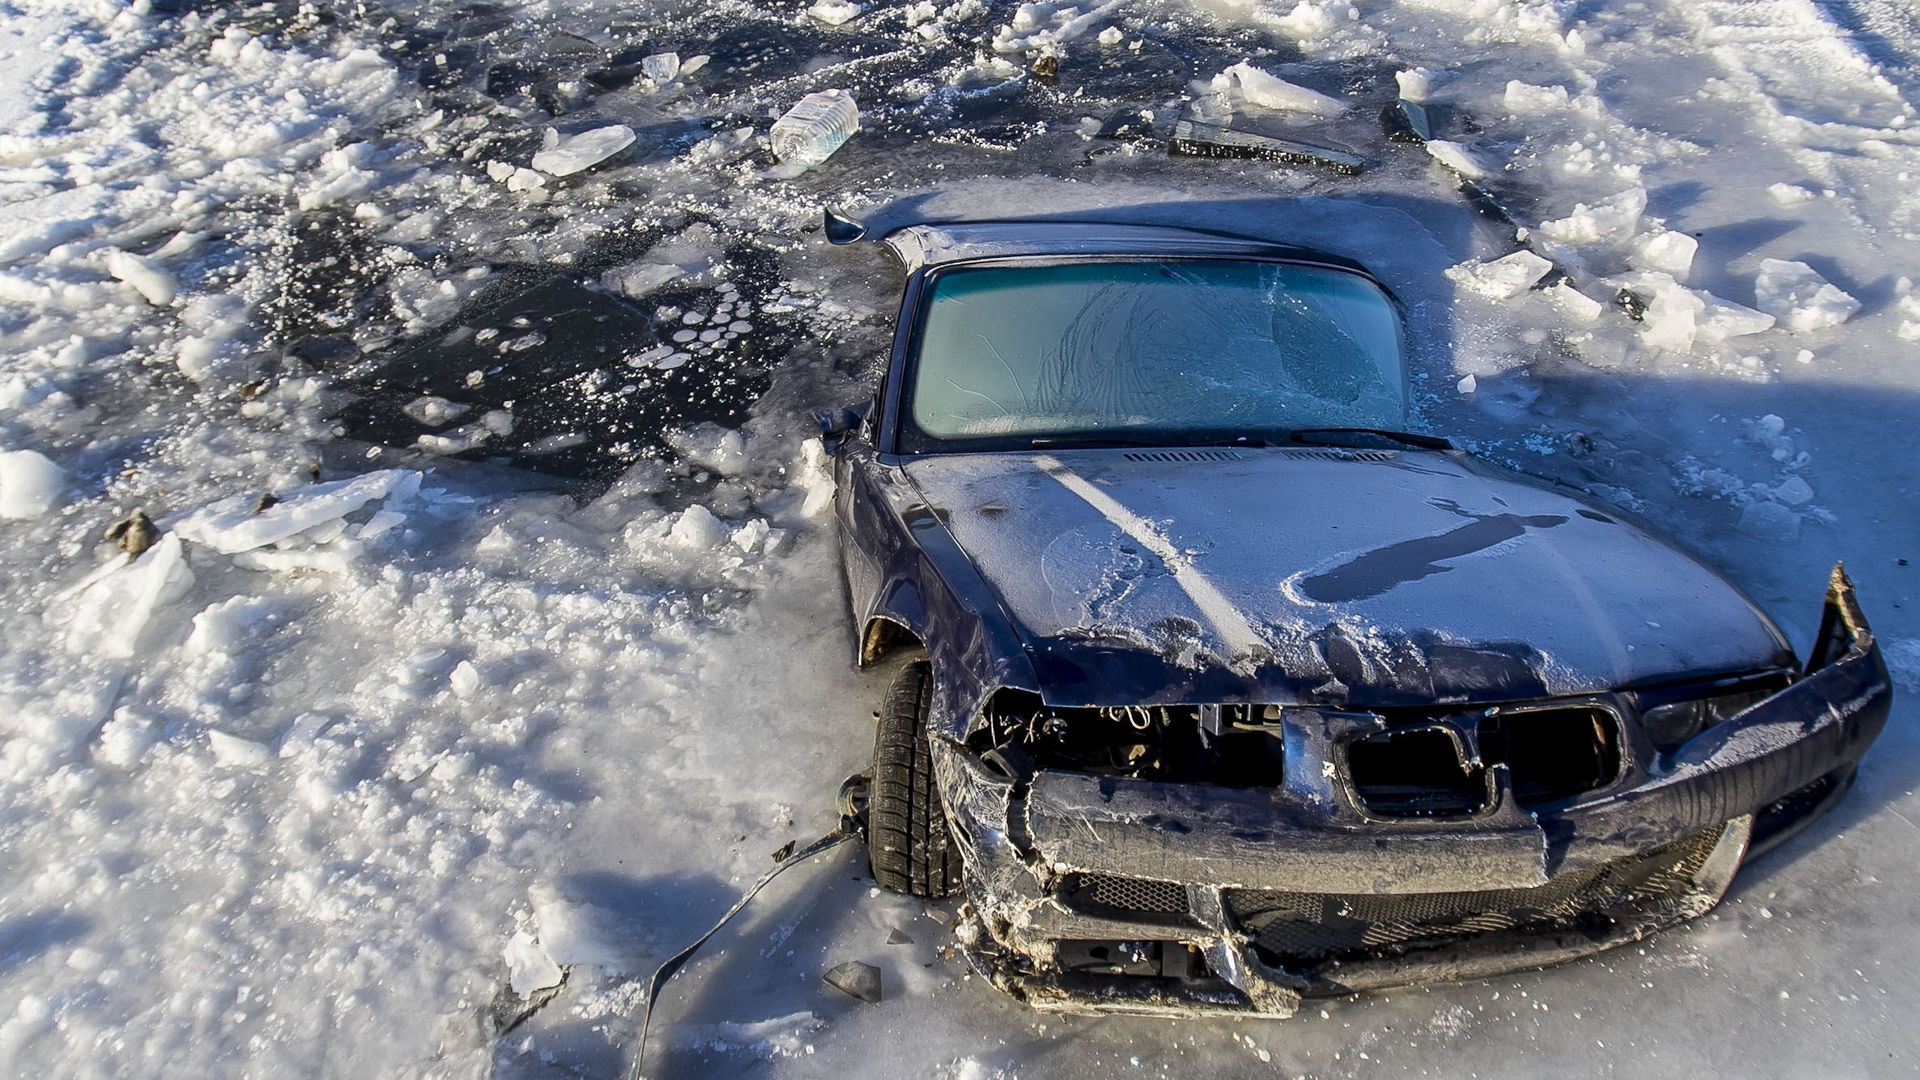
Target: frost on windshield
<point x="1173" y="348"/>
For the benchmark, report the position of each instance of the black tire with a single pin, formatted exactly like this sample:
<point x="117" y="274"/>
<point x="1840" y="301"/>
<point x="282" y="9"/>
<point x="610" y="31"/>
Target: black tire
<point x="907" y="842"/>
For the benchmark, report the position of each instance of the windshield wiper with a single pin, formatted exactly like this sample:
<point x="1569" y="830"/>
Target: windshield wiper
<point x="1069" y="442"/>
<point x="1074" y="442"/>
<point x="1409" y="438"/>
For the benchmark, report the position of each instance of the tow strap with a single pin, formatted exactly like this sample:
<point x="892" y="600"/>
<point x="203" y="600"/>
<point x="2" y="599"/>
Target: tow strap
<point x="853" y="823"/>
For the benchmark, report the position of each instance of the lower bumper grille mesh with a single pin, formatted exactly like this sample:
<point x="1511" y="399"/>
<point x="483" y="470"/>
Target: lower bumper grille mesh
<point x="1125" y="897"/>
<point x="1309" y="927"/>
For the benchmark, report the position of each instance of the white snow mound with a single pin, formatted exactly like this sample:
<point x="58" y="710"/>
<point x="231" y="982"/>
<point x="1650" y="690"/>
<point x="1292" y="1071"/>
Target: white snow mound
<point x="31" y="485"/>
<point x="1799" y="297"/>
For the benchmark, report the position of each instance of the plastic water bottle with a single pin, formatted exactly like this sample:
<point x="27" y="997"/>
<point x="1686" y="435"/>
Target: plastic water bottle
<point x="812" y="130"/>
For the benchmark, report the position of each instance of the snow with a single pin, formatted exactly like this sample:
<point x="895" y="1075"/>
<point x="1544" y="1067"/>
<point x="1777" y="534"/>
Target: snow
<point x="31" y="485"/>
<point x="577" y="153"/>
<point x="307" y="789"/>
<point x="1802" y="300"/>
<point x="153" y="283"/>
<point x="1523" y="97"/>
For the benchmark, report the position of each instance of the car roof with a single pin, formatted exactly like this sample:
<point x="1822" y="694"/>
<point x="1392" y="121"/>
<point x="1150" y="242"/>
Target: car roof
<point x="934" y="244"/>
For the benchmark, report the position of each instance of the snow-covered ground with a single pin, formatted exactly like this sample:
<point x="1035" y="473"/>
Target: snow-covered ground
<point x="303" y="791"/>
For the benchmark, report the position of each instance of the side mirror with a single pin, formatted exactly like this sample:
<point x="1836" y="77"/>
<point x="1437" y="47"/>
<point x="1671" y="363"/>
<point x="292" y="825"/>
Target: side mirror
<point x="839" y="425"/>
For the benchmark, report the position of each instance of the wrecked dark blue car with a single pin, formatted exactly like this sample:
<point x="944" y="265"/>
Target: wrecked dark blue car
<point x="1218" y="689"/>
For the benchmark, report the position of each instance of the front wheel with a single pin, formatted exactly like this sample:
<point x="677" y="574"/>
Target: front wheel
<point x="907" y="842"/>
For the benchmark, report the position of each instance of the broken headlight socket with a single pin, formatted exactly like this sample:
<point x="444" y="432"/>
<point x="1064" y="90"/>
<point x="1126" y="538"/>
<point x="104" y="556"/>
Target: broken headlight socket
<point x="1669" y="726"/>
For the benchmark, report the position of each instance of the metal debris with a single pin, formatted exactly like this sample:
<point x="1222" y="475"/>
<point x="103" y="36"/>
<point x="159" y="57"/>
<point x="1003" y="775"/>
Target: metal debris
<point x="785" y="851"/>
<point x="855" y="979"/>
<point x="1193" y="139"/>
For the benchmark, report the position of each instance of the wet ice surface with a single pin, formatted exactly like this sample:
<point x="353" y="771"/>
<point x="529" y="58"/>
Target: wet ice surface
<point x="307" y="806"/>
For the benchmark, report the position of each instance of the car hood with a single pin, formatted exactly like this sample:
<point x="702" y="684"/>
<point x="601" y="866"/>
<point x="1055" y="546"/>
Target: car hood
<point x="1327" y="576"/>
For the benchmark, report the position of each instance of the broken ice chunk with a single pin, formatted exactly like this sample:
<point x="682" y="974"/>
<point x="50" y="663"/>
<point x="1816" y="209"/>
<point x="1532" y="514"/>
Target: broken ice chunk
<point x="1407" y="122"/>
<point x="1249" y="85"/>
<point x="113" y="607"/>
<point x="1767" y="520"/>
<point x="381" y="523"/>
<point x="1574" y="304"/>
<point x="1194" y="139"/>
<point x="835" y="12"/>
<point x="230" y="525"/>
<point x="575" y="153"/>
<point x="1416" y="84"/>
<point x="526" y="180"/>
<point x="1461" y="159"/>
<point x="1670" y="320"/>
<point x="465" y="679"/>
<point x="661" y="68"/>
<point x="234" y="752"/>
<point x="31" y="485"/>
<point x="1503" y="278"/>
<point x="1609" y="221"/>
<point x="433" y="411"/>
<point x="1799" y="297"/>
<point x="1724" y="319"/>
<point x="529" y="968"/>
<point x="1669" y="252"/>
<point x="1794" y="491"/>
<point x="573" y="932"/>
<point x="696" y="529"/>
<point x="815" y="127"/>
<point x="856" y="980"/>
<point x="690" y="257"/>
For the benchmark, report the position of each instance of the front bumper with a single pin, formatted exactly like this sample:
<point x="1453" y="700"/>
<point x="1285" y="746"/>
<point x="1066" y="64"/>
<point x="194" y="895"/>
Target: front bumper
<point x="1100" y="894"/>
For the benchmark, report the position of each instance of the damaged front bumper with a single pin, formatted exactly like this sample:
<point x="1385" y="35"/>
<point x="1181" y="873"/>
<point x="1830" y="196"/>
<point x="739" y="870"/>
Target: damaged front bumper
<point x="1101" y="894"/>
